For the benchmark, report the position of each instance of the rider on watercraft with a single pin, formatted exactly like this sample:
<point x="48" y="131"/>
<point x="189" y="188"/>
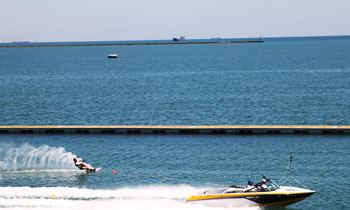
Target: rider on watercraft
<point x="79" y="162"/>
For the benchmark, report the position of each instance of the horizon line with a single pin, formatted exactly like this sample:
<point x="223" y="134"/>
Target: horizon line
<point x="258" y="37"/>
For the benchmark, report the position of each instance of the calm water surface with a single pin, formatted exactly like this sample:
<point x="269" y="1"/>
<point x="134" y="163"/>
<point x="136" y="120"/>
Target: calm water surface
<point x="281" y="81"/>
<point x="302" y="81"/>
<point x="163" y="170"/>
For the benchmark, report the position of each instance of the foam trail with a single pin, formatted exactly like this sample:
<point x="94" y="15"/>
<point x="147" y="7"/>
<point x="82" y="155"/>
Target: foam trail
<point x="29" y="157"/>
<point x="129" y="198"/>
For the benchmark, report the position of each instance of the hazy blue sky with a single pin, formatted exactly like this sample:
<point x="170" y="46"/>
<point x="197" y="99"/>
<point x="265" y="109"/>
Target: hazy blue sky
<point x="105" y="20"/>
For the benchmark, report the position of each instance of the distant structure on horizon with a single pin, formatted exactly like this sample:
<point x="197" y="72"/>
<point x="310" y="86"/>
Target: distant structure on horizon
<point x="20" y="42"/>
<point x="182" y="38"/>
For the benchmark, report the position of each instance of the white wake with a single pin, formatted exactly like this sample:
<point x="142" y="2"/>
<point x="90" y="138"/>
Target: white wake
<point x="28" y="157"/>
<point x="129" y="198"/>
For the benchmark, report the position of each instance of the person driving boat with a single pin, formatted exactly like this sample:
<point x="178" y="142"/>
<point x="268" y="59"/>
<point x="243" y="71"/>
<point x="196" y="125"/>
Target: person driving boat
<point x="250" y="187"/>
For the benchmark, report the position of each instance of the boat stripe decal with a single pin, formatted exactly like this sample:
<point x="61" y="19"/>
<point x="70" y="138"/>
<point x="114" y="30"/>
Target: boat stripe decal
<point x="244" y="195"/>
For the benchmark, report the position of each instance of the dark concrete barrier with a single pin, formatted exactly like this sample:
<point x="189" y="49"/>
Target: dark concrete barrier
<point x="127" y="44"/>
<point x="199" y="129"/>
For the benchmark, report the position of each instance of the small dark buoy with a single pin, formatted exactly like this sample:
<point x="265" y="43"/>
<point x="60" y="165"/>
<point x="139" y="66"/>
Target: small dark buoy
<point x="112" y="55"/>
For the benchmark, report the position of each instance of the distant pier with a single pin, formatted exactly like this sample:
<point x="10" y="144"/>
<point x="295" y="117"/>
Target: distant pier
<point x="127" y="44"/>
<point x="168" y="129"/>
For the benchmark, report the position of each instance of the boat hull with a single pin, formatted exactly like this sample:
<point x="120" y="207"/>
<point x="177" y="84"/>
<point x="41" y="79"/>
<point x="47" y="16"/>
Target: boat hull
<point x="250" y="199"/>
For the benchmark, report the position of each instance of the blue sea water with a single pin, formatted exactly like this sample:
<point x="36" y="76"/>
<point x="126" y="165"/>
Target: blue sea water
<point x="282" y="81"/>
<point x="162" y="171"/>
<point x="291" y="81"/>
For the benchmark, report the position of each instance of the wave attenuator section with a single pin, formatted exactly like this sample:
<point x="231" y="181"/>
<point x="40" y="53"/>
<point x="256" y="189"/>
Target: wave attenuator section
<point x="181" y="129"/>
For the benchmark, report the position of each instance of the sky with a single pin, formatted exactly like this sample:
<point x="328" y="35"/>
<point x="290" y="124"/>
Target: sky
<point x="114" y="20"/>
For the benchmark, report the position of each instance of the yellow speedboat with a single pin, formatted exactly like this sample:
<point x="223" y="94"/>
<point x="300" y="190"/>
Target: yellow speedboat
<point x="237" y="196"/>
<point x="265" y="193"/>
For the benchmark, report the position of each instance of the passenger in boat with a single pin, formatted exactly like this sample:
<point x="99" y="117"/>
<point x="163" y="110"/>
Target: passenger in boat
<point x="263" y="186"/>
<point x="250" y="187"/>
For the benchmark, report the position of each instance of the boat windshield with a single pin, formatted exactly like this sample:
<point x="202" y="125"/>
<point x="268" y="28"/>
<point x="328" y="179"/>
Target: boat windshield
<point x="272" y="186"/>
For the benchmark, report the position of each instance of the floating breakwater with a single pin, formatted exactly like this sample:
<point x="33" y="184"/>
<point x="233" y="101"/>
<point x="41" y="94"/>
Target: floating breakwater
<point x="184" y="129"/>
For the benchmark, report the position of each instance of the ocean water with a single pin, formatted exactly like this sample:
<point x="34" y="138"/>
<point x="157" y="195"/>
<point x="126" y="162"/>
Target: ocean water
<point x="162" y="171"/>
<point x="293" y="81"/>
<point x="290" y="81"/>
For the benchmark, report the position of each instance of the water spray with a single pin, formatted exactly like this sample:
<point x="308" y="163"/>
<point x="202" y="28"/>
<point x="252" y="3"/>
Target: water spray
<point x="27" y="157"/>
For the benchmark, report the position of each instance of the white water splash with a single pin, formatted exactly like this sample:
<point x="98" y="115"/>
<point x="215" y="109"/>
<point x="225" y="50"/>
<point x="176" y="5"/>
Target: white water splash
<point x="129" y="198"/>
<point x="27" y="157"/>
